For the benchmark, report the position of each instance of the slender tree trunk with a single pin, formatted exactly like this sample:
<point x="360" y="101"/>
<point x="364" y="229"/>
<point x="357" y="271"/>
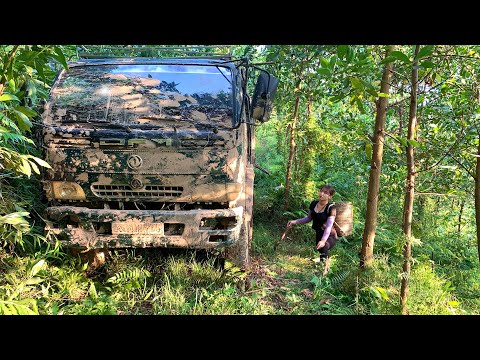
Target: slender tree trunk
<point x="477" y="198"/>
<point x="400" y="120"/>
<point x="301" y="162"/>
<point x="459" y="229"/>
<point x="293" y="129"/>
<point x="409" y="188"/>
<point x="366" y="255"/>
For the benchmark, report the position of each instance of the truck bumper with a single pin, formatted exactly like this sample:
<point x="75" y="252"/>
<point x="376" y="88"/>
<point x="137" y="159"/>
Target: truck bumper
<point x="86" y="228"/>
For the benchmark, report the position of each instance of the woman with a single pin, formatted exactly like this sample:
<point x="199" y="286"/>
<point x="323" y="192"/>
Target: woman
<point x="323" y="215"/>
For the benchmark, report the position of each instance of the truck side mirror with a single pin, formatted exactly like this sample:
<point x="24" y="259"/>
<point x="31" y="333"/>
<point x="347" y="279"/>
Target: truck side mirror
<point x="263" y="96"/>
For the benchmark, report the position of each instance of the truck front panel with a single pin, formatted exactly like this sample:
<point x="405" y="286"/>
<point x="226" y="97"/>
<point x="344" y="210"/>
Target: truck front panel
<point x="145" y="155"/>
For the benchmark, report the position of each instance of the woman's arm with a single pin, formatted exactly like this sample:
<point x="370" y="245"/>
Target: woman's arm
<point x="304" y="220"/>
<point x="328" y="229"/>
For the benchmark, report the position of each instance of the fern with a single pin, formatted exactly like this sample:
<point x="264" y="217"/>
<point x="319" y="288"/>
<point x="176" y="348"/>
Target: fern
<point x="129" y="277"/>
<point x="233" y="273"/>
<point x="344" y="311"/>
<point x="339" y="277"/>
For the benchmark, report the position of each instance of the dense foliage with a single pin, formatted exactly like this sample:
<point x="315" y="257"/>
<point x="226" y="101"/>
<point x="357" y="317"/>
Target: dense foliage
<point x="320" y="132"/>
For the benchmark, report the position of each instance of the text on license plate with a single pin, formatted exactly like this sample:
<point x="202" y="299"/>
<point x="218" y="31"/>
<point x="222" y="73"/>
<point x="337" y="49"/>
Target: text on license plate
<point x="136" y="228"/>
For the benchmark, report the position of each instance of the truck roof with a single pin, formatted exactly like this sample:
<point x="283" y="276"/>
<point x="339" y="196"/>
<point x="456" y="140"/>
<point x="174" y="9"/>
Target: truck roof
<point x="144" y="60"/>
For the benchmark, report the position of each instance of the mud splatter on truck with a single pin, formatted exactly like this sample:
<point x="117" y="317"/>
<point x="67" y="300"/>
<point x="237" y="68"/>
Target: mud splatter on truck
<point x="153" y="152"/>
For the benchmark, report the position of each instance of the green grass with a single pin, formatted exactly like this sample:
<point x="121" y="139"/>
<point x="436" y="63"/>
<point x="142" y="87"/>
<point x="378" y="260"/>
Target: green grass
<point x="283" y="280"/>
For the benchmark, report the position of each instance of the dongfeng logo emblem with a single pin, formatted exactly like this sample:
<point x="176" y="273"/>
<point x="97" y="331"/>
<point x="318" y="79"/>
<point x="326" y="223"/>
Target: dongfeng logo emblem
<point x="136" y="184"/>
<point x="134" y="161"/>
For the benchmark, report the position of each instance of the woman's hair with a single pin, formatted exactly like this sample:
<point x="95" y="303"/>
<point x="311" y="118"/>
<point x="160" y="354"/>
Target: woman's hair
<point x="329" y="188"/>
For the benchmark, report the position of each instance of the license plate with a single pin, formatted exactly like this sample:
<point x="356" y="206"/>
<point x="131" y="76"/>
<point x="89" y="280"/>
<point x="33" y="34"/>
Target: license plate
<point x="136" y="227"/>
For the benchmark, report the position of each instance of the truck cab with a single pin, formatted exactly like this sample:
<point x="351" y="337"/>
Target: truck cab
<point x="153" y="152"/>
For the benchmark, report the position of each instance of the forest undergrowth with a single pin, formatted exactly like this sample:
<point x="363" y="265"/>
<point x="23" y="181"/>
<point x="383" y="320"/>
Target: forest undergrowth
<point x="284" y="279"/>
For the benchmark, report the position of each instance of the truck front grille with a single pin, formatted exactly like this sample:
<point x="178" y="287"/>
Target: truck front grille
<point x="73" y="142"/>
<point x="124" y="191"/>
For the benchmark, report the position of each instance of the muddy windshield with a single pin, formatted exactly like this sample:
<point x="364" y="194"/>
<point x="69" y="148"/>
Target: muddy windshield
<point x="140" y="94"/>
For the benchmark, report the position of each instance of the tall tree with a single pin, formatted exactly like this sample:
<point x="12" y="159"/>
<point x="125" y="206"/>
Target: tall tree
<point x="295" y="66"/>
<point x="292" y="143"/>
<point x="410" y="185"/>
<point x="366" y="255"/>
<point x="477" y="197"/>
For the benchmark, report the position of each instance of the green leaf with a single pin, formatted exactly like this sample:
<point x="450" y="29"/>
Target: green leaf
<point x="61" y="57"/>
<point x="337" y="97"/>
<point x="37" y="267"/>
<point x="350" y="54"/>
<point x="41" y="162"/>
<point x="368" y="150"/>
<point x="15" y="218"/>
<point x="34" y="167"/>
<point x="425" y="51"/>
<point x="24" y="122"/>
<point x="27" y="111"/>
<point x="92" y="291"/>
<point x="34" y="281"/>
<point x="24" y="306"/>
<point x="324" y="62"/>
<point x="342" y="51"/>
<point x="25" y="167"/>
<point x="400" y="56"/>
<point x="380" y="94"/>
<point x="148" y="295"/>
<point x="356" y="83"/>
<point x="31" y="89"/>
<point x="382" y="292"/>
<point x="20" y="209"/>
<point x="388" y="59"/>
<point x="403" y="141"/>
<point x="316" y="281"/>
<point x="413" y="143"/>
<point x="4" y="310"/>
<point x="11" y="84"/>
<point x="41" y="72"/>
<point x="360" y="105"/>
<point x="333" y="61"/>
<point x="26" y="56"/>
<point x="375" y="292"/>
<point x="427" y="64"/>
<point x="323" y="71"/>
<point x="372" y="92"/>
<point x="8" y="97"/>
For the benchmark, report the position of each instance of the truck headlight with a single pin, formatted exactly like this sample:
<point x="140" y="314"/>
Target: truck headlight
<point x="233" y="190"/>
<point x="216" y="192"/>
<point x="66" y="190"/>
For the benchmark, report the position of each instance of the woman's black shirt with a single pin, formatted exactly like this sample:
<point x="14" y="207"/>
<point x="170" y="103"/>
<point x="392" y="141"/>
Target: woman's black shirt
<point x="320" y="219"/>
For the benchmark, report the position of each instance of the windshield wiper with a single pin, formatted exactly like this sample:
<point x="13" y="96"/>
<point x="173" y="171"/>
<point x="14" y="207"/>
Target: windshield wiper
<point x="93" y="122"/>
<point x="221" y="72"/>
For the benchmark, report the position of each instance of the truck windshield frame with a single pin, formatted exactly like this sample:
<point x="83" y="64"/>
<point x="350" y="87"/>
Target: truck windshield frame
<point x="141" y="93"/>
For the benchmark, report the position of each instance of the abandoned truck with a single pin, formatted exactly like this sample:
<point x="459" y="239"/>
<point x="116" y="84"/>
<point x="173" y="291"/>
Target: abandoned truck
<point x="154" y="152"/>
